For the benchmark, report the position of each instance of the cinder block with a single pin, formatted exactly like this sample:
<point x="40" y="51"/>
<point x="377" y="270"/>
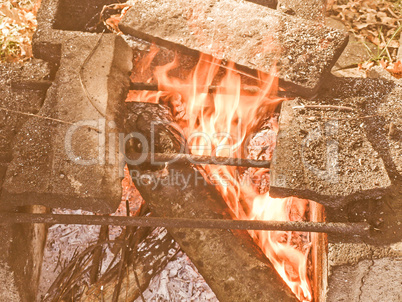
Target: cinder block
<point x="15" y="102"/>
<point x="253" y="36"/>
<point x="326" y="154"/>
<point x="308" y="9"/>
<point x="69" y="157"/>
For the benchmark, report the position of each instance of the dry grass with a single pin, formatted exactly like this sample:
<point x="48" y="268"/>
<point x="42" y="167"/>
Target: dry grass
<point x="17" y="25"/>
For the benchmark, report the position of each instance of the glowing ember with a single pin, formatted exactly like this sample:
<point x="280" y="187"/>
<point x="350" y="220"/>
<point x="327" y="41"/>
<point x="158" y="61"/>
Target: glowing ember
<point x="232" y="123"/>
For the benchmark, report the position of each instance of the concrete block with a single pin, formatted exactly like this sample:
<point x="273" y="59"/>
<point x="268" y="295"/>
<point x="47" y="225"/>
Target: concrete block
<point x="355" y="52"/>
<point x="389" y="136"/>
<point x="325" y="154"/>
<point x="70" y="158"/>
<point x="311" y="9"/>
<point x="369" y="280"/>
<point x="21" y="100"/>
<point x="253" y="36"/>
<point x="61" y="20"/>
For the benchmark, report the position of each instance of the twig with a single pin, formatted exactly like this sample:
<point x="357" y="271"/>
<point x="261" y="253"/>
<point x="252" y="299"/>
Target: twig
<point x="341" y="108"/>
<point x="138" y="284"/>
<point x="343" y="118"/>
<point x="386" y="45"/>
<point x="93" y="276"/>
<point x="392" y="38"/>
<point x="44" y="117"/>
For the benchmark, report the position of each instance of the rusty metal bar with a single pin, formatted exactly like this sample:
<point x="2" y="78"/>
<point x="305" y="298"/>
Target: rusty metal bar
<point x="318" y="227"/>
<point x="211" y="89"/>
<point x="160" y="158"/>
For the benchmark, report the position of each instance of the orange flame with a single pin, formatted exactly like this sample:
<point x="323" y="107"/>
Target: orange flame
<point x="220" y="124"/>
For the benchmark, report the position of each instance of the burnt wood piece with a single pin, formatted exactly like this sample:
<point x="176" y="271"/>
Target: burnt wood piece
<point x="253" y="36"/>
<point x="152" y="255"/>
<point x="233" y="266"/>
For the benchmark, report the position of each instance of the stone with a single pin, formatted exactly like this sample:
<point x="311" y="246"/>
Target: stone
<point x="389" y="134"/>
<point x="326" y="154"/>
<point x="22" y="100"/>
<point x="61" y="20"/>
<point x="356" y="52"/>
<point x="268" y="3"/>
<point x="70" y="157"/>
<point x="253" y="36"/>
<point x="311" y="9"/>
<point x="369" y="280"/>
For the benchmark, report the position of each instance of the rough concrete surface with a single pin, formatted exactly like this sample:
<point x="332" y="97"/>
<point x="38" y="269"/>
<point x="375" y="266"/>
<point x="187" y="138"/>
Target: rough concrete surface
<point x="59" y="21"/>
<point x="8" y="285"/>
<point x="378" y="280"/>
<point x="390" y="115"/>
<point x="332" y="160"/>
<point x="267" y="3"/>
<point x="46" y="169"/>
<point x="311" y="9"/>
<point x="24" y="100"/>
<point x="251" y="35"/>
<point x="352" y="253"/>
<point x="355" y="51"/>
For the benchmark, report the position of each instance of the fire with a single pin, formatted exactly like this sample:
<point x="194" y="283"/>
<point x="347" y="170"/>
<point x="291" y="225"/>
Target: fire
<point x="222" y="123"/>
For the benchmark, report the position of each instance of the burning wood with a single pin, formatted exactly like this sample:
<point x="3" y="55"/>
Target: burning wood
<point x="225" y="258"/>
<point x="226" y="122"/>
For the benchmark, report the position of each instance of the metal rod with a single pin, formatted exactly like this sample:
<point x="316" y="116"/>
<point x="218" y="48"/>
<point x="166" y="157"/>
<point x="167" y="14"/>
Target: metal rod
<point x="211" y="89"/>
<point x="320" y="227"/>
<point x="160" y="158"/>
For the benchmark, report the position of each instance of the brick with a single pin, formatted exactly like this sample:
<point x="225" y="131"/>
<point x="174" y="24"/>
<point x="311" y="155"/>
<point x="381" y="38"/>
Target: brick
<point x="41" y="171"/>
<point x="241" y="32"/>
<point x="327" y="155"/>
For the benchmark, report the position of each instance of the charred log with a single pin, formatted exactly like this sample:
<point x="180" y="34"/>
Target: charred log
<point x="231" y="263"/>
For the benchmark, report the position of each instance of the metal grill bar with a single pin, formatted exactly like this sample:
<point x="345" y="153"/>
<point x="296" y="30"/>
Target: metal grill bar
<point x="319" y="227"/>
<point x="211" y="89"/>
<point x="159" y="158"/>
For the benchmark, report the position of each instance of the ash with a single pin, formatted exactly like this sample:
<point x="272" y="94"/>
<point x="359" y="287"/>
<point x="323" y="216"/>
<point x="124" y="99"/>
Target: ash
<point x="179" y="281"/>
<point x="63" y="241"/>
